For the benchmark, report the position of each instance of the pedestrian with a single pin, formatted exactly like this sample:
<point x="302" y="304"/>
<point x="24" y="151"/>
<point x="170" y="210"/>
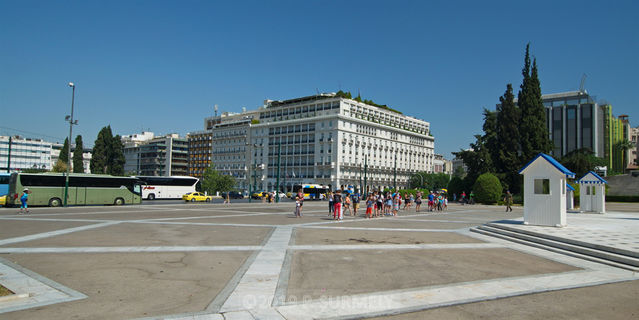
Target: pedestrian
<point x="330" y="203"/>
<point x="347" y="204"/>
<point x="508" y="200"/>
<point x="407" y="200"/>
<point x="463" y="197"/>
<point x="418" y="201"/>
<point x="300" y="196"/>
<point x="380" y="204"/>
<point x="23" y="200"/>
<point x="396" y="204"/>
<point x="337" y="201"/>
<point x="431" y="201"/>
<point x="356" y="200"/>
<point x="298" y="207"/>
<point x="369" y="206"/>
<point x="471" y="197"/>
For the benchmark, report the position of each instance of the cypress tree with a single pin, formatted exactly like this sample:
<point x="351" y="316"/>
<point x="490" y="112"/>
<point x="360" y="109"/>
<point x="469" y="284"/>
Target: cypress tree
<point x="78" y="164"/>
<point x="64" y="152"/>
<point x="508" y="118"/>
<point x="101" y="151"/>
<point x="533" y="130"/>
<point x="116" y="157"/>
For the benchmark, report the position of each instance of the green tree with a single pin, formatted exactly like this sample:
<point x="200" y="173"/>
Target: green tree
<point x="455" y="186"/>
<point x="213" y="181"/>
<point x="581" y="161"/>
<point x="100" y="158"/>
<point x="78" y="164"/>
<point x="59" y="166"/>
<point x="507" y="161"/>
<point x="625" y="145"/>
<point x="64" y="152"/>
<point x="487" y="189"/>
<point x="533" y="131"/>
<point x="116" y="157"/>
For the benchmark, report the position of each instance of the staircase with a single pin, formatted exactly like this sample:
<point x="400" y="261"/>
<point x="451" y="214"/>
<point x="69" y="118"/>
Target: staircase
<point x="611" y="256"/>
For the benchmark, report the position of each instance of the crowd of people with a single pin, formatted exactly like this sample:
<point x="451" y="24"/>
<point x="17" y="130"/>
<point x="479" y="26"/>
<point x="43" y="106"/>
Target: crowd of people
<point x="378" y="203"/>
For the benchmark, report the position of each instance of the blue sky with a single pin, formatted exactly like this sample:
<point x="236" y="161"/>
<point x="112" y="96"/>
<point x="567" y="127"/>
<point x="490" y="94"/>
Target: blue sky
<point x="162" y="65"/>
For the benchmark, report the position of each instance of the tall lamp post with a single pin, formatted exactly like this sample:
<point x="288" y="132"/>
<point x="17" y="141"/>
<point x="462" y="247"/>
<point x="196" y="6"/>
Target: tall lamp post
<point x="71" y="123"/>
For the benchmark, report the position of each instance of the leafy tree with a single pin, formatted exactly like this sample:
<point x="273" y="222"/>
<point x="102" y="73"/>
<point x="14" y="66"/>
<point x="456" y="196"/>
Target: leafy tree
<point x="533" y="131"/>
<point x="213" y="181"/>
<point x="78" y="164"/>
<point x="64" y="152"/>
<point x="581" y="161"/>
<point x="431" y="181"/>
<point x="108" y="153"/>
<point x="487" y="189"/>
<point x="59" y="166"/>
<point x="456" y="185"/>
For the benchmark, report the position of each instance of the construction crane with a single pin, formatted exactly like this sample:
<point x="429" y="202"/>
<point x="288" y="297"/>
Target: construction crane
<point x="583" y="82"/>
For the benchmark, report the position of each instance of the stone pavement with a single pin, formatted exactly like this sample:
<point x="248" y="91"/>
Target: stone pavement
<point x="256" y="261"/>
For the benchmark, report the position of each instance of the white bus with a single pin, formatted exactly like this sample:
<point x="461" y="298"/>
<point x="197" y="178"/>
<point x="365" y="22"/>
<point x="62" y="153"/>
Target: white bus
<point x="311" y="191"/>
<point x="173" y="187"/>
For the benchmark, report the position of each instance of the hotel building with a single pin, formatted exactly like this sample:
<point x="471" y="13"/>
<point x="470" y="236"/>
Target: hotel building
<point x="324" y="139"/>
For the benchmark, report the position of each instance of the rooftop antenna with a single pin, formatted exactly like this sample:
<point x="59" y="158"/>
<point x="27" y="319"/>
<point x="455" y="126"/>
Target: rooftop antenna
<point x="215" y="109"/>
<point x="583" y="82"/>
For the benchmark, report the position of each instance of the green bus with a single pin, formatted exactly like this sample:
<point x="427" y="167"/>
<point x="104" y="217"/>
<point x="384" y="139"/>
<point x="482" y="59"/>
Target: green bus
<point x="47" y="189"/>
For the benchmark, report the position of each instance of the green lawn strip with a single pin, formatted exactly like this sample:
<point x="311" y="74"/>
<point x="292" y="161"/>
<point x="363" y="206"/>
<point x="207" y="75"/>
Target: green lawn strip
<point x="4" y="291"/>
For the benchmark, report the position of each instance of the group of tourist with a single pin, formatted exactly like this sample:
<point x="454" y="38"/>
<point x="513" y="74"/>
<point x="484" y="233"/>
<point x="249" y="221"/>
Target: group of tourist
<point x="380" y="203"/>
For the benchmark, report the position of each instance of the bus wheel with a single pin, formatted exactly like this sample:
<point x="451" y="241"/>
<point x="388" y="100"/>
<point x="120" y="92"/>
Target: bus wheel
<point x="55" y="202"/>
<point x="119" y="202"/>
<point x="151" y="196"/>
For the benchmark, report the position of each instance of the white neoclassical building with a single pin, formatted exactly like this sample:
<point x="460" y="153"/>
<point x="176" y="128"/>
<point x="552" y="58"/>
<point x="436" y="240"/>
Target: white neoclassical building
<point x="324" y="139"/>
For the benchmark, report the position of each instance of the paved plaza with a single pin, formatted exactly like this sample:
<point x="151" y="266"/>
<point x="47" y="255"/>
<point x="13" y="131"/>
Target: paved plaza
<point x="257" y="261"/>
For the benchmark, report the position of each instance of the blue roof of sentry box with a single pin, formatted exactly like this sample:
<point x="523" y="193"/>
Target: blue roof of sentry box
<point x="552" y="161"/>
<point x="570" y="187"/>
<point x="598" y="179"/>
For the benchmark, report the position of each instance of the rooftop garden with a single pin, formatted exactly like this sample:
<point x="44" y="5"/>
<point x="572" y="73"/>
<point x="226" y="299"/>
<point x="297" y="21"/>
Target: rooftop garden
<point x="347" y="95"/>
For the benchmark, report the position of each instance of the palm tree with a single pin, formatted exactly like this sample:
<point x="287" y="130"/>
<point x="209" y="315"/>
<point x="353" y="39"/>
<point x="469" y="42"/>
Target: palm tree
<point x="625" y="145"/>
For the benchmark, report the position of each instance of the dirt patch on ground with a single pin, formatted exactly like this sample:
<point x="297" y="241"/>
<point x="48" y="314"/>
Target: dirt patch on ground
<point x="308" y="236"/>
<point x="335" y="273"/>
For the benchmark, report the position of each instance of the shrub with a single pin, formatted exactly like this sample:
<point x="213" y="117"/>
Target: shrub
<point x="487" y="189"/>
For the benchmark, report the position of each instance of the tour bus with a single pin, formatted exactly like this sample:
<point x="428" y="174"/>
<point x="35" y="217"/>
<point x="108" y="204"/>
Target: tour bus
<point x="311" y="191"/>
<point x="84" y="189"/>
<point x="4" y="183"/>
<point x="173" y="187"/>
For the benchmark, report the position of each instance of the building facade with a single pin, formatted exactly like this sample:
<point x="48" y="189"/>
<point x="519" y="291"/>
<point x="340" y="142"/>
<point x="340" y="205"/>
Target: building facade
<point x="634" y="156"/>
<point x="150" y="155"/>
<point x="18" y="153"/>
<point x="323" y="139"/>
<point x="576" y="121"/>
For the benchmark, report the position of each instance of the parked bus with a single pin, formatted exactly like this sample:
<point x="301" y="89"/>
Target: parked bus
<point x="4" y="183"/>
<point x="47" y="189"/>
<point x="167" y="187"/>
<point x="311" y="191"/>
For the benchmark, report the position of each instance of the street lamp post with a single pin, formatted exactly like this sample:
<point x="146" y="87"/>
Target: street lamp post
<point x="365" y="177"/>
<point x="277" y="183"/>
<point x="71" y="123"/>
<point x="253" y="151"/>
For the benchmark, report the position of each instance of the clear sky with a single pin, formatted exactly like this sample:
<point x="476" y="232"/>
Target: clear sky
<point x="162" y="65"/>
